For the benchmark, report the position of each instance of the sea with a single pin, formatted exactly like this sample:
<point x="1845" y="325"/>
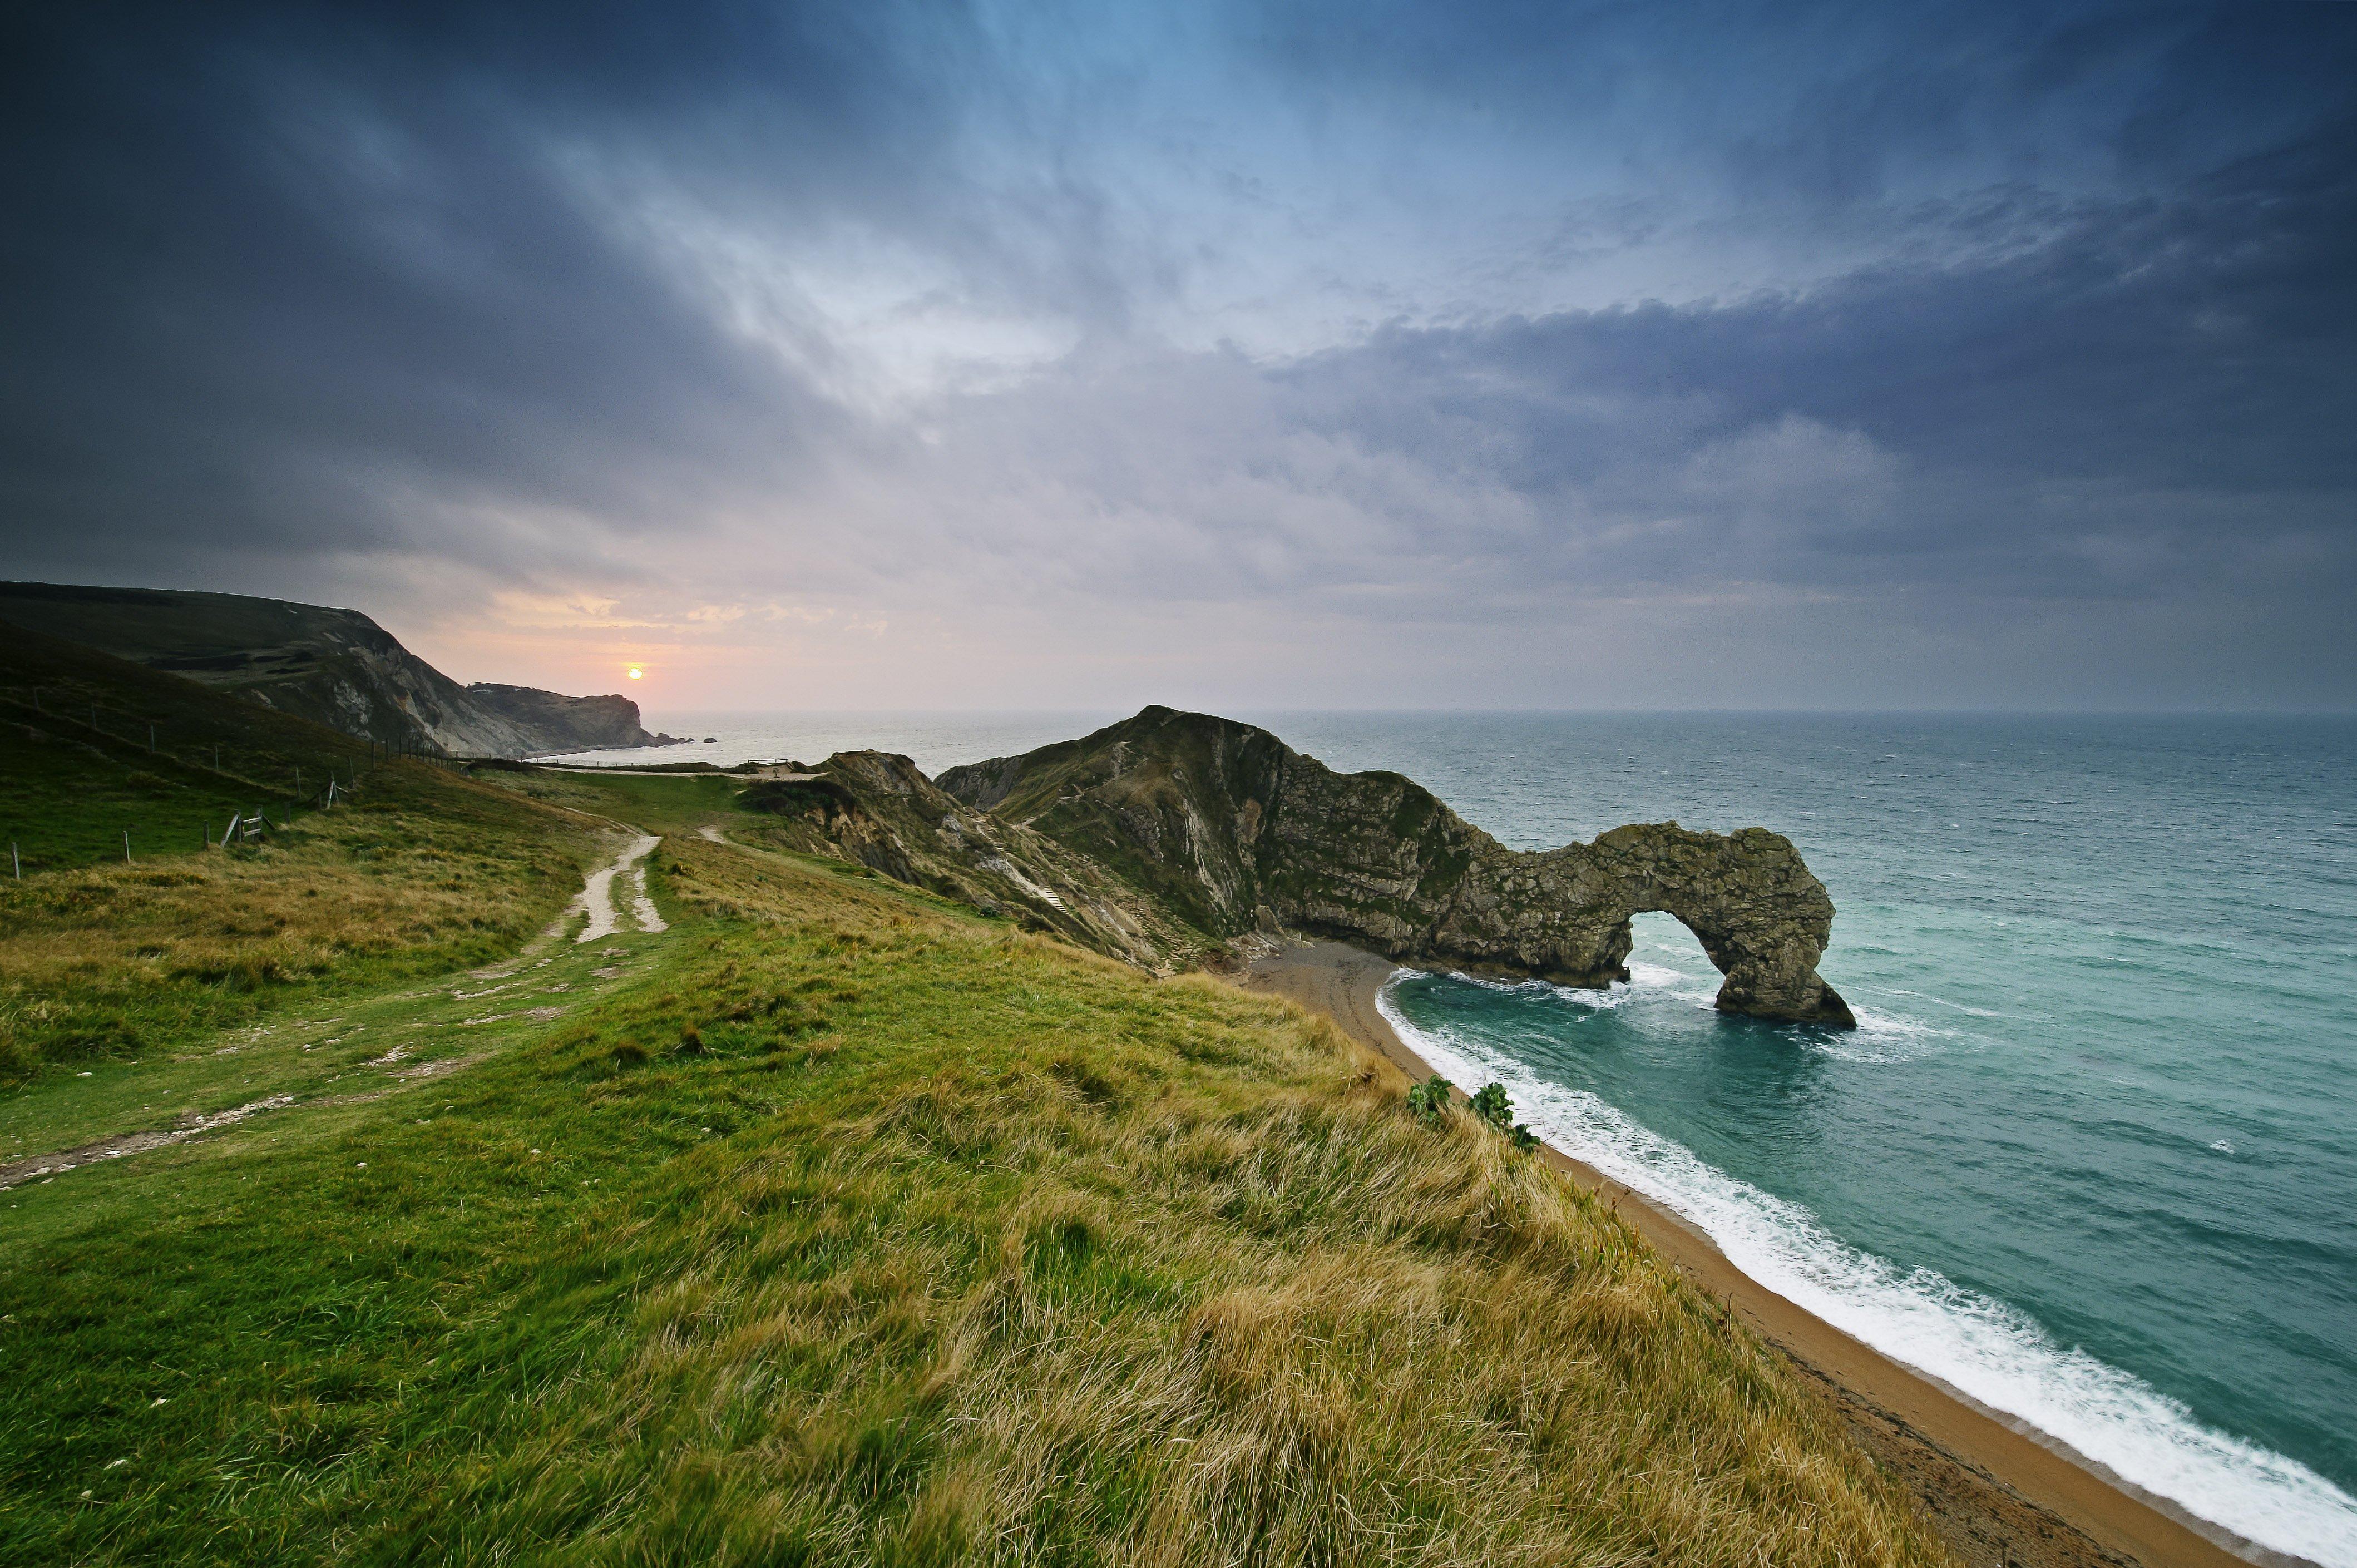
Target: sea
<point x="2090" y="1157"/>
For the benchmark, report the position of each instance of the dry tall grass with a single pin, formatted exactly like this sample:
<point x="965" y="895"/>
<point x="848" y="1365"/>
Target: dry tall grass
<point x="1066" y="1265"/>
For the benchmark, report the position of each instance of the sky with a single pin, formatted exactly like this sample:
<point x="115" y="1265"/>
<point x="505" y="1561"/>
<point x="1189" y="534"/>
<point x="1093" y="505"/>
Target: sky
<point x="1567" y="355"/>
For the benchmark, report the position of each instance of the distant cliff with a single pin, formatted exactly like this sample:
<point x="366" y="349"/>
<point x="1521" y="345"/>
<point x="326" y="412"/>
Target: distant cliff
<point x="564" y="723"/>
<point x="1227" y="828"/>
<point x="336" y="667"/>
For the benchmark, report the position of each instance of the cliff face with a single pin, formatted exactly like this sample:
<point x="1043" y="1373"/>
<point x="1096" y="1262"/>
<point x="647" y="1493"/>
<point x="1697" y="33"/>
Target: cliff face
<point x="879" y="810"/>
<point x="1230" y="828"/>
<point x="334" y="667"/>
<point x="559" y="723"/>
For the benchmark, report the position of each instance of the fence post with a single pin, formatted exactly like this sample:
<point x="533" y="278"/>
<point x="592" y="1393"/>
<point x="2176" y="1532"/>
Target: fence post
<point x="126" y="846"/>
<point x="151" y="740"/>
<point x="16" y="861"/>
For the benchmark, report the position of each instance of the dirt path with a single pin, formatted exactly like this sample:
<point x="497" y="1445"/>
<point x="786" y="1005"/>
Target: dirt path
<point x="42" y="1167"/>
<point x="596" y="895"/>
<point x="388" y="1042"/>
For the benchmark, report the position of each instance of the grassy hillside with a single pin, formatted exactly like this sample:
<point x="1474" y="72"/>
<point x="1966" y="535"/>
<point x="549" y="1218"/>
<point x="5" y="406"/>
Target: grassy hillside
<point x="836" y="1226"/>
<point x="419" y="872"/>
<point x="336" y="667"/>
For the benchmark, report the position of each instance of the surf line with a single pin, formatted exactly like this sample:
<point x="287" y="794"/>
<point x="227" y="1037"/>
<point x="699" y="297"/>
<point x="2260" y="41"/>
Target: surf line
<point x="1992" y="1353"/>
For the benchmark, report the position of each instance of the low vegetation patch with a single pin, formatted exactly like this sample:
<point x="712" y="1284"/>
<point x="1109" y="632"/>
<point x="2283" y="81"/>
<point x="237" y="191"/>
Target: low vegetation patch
<point x="859" y="1231"/>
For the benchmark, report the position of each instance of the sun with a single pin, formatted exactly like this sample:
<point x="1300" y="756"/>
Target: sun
<point x="637" y="673"/>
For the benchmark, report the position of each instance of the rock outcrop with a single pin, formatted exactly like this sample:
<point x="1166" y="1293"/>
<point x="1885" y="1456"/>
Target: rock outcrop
<point x="333" y="667"/>
<point x="876" y="810"/>
<point x="1227" y="828"/>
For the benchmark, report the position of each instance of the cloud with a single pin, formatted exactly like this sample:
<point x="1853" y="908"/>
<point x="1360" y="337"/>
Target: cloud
<point x="1180" y="343"/>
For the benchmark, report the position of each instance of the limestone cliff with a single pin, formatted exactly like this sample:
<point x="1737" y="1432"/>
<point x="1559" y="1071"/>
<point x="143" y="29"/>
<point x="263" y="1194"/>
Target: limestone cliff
<point x="550" y="721"/>
<point x="1226" y="827"/>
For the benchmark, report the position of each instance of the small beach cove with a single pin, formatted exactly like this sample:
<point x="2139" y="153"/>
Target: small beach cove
<point x="1997" y="1493"/>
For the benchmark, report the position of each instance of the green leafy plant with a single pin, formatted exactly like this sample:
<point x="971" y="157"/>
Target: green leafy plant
<point x="1522" y="1137"/>
<point x="1428" y="1099"/>
<point x="1490" y="1105"/>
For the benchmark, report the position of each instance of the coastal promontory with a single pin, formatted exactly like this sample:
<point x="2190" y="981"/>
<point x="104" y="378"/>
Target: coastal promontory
<point x="1230" y="829"/>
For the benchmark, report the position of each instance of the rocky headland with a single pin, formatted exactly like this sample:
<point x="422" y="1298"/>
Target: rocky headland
<point x="876" y="810"/>
<point x="1162" y="838"/>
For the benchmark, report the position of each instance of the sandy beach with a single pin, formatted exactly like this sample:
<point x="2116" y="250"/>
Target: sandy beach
<point x="1997" y="1493"/>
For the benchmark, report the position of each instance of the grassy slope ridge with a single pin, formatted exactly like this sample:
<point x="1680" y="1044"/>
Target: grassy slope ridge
<point x="335" y="666"/>
<point x="856" y="1230"/>
<point x="422" y="873"/>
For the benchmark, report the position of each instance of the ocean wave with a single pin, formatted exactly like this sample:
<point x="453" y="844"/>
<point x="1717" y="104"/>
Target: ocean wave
<point x="1883" y="1039"/>
<point x="1594" y="999"/>
<point x="1658" y="976"/>
<point x="1991" y="1351"/>
<point x="1943" y="1001"/>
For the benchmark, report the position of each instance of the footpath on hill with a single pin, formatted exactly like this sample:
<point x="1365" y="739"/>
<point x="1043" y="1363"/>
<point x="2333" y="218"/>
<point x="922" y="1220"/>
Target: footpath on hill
<point x="372" y="1047"/>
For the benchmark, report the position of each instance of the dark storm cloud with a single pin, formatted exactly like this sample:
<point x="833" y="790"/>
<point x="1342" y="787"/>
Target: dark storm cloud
<point x="271" y="284"/>
<point x="1927" y="304"/>
<point x="2138" y="398"/>
<point x="300" y="277"/>
<point x="1844" y="99"/>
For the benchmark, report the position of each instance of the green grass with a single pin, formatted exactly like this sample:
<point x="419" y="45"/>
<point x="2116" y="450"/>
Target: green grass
<point x="91" y="744"/>
<point x="679" y="803"/>
<point x="421" y="873"/>
<point x="837" y="1224"/>
<point x="338" y="1051"/>
<point x="69" y="801"/>
<point x="844" y="1229"/>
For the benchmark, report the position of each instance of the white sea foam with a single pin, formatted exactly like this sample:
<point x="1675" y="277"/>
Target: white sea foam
<point x="1991" y="1351"/>
<point x="1883" y="1039"/>
<point x="1594" y="998"/>
<point x="1657" y="976"/>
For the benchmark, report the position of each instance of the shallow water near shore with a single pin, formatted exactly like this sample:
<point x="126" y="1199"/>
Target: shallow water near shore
<point x="2091" y="1157"/>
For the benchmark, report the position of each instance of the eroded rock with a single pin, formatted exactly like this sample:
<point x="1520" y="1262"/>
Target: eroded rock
<point x="1226" y="828"/>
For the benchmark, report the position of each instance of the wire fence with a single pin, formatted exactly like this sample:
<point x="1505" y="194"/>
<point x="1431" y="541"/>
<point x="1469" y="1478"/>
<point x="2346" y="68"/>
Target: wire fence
<point x="218" y="771"/>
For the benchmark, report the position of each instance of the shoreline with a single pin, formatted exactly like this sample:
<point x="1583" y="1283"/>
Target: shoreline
<point x="1997" y="1491"/>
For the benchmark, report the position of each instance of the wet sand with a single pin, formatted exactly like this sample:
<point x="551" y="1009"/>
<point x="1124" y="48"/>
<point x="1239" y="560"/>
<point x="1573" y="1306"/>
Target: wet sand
<point x="1997" y="1493"/>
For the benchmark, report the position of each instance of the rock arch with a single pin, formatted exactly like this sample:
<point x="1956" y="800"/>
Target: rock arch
<point x="1216" y="822"/>
<point x="1761" y="916"/>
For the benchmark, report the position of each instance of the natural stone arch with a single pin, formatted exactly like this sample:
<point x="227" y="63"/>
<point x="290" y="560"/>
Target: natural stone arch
<point x="1762" y="918"/>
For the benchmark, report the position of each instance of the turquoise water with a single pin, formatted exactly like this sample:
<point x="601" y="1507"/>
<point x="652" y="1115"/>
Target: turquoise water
<point x="2091" y="1157"/>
